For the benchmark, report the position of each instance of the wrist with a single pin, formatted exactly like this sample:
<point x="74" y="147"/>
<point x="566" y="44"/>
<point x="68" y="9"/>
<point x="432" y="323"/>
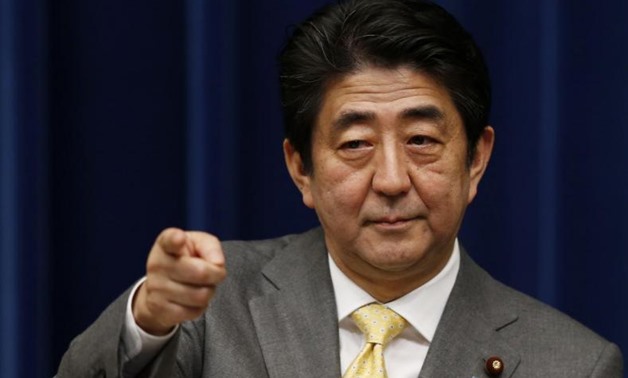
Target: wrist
<point x="144" y="318"/>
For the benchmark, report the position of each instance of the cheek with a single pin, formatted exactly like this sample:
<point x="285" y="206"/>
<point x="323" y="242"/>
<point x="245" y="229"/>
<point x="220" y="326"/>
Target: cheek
<point x="340" y="192"/>
<point x="441" y="187"/>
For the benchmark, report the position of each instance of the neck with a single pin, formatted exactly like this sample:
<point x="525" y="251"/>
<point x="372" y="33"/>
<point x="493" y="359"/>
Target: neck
<point x="386" y="285"/>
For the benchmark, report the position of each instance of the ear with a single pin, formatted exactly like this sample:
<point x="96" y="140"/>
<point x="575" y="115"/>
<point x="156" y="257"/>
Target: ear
<point x="478" y="166"/>
<point x="301" y="179"/>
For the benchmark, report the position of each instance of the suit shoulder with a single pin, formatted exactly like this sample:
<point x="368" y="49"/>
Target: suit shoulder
<point x="247" y="259"/>
<point x="498" y="302"/>
<point x="542" y="333"/>
<point x="547" y="334"/>
<point x="539" y="317"/>
<point x="255" y="250"/>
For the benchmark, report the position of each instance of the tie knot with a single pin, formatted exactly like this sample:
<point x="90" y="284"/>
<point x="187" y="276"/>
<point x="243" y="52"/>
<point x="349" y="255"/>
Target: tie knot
<point x="378" y="323"/>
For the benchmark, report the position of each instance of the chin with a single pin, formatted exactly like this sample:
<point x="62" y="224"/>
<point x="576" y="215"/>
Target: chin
<point x="396" y="261"/>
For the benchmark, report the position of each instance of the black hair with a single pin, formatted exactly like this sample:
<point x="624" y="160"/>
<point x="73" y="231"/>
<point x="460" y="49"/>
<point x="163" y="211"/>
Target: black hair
<point x="341" y="38"/>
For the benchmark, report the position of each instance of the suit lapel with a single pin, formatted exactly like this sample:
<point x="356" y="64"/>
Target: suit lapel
<point x="299" y="342"/>
<point x="467" y="334"/>
<point x="295" y="340"/>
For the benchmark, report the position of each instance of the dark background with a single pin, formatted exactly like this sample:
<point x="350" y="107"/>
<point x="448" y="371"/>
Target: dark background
<point x="121" y="118"/>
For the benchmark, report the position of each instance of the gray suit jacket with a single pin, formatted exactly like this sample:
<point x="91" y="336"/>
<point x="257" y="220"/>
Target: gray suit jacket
<point x="275" y="316"/>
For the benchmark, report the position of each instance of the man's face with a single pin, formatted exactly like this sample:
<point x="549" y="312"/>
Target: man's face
<point x="390" y="180"/>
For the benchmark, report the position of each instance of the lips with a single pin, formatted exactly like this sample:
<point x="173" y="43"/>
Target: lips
<point x="392" y="216"/>
<point x="396" y="216"/>
<point x="392" y="220"/>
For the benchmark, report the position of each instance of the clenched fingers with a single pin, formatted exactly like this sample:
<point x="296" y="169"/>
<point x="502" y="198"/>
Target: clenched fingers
<point x="166" y="294"/>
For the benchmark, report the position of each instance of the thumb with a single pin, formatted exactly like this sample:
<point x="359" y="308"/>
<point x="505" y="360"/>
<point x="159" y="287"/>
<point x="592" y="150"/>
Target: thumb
<point x="206" y="246"/>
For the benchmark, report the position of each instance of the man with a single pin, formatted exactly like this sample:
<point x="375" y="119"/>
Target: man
<point x="386" y="109"/>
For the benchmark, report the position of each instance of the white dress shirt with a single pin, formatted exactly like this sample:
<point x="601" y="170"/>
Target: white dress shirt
<point x="404" y="356"/>
<point x="422" y="308"/>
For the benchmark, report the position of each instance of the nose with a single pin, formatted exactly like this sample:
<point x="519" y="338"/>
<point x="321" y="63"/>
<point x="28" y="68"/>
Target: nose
<point x="391" y="176"/>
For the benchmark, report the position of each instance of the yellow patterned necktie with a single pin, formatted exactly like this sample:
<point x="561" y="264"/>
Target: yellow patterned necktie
<point x="379" y="325"/>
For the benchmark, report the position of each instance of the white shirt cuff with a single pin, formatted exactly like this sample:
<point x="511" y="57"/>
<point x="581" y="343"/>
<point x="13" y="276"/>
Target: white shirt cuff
<point x="138" y="343"/>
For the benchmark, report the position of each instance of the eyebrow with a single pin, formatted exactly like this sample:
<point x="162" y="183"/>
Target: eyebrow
<point x="422" y="112"/>
<point x="350" y="117"/>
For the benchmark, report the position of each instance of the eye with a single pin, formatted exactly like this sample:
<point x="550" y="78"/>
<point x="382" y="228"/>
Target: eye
<point x="419" y="140"/>
<point x="353" y="144"/>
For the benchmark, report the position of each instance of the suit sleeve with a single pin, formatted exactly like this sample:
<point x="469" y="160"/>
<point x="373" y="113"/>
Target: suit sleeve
<point x="99" y="350"/>
<point x="95" y="352"/>
<point x="610" y="364"/>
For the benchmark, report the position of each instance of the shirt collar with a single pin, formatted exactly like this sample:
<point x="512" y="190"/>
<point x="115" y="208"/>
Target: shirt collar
<point x="422" y="307"/>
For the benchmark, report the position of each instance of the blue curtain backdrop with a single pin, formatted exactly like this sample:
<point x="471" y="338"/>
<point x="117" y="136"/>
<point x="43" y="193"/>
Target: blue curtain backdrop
<point x="119" y="118"/>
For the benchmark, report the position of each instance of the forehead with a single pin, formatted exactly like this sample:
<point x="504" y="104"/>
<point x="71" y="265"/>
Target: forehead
<point x="383" y="92"/>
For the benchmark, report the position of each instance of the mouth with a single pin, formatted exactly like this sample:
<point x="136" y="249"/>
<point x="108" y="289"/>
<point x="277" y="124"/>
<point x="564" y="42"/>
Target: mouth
<point x="392" y="223"/>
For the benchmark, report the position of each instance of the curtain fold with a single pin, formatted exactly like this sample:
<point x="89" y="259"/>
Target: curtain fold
<point x="8" y="193"/>
<point x="24" y="301"/>
<point x="549" y="119"/>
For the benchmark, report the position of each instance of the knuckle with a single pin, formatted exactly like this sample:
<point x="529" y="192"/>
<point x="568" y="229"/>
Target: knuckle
<point x="205" y="239"/>
<point x="201" y="273"/>
<point x="213" y="239"/>
<point x="221" y="275"/>
<point x="201" y="296"/>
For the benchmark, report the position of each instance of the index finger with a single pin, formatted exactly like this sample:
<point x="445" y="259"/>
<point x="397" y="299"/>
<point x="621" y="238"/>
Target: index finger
<point x="174" y="241"/>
